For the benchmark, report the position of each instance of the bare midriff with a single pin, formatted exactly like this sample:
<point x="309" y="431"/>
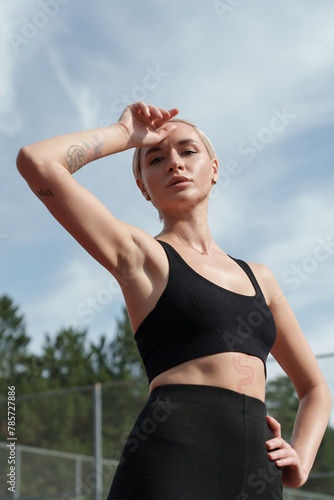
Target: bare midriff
<point x="236" y="371"/>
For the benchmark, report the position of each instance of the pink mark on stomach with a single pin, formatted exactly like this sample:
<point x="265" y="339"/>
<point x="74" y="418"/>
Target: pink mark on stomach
<point x="243" y="370"/>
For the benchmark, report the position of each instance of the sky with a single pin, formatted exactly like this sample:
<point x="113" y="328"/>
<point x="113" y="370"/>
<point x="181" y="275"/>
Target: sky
<point x="256" y="76"/>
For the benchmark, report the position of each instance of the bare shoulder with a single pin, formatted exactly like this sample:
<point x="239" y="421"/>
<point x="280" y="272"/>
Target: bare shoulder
<point x="261" y="271"/>
<point x="268" y="283"/>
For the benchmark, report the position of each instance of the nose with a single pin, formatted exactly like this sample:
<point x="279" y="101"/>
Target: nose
<point x="175" y="163"/>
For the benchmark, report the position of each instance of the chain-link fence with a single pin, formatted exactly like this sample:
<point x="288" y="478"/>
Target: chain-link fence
<point x="58" y="474"/>
<point x="66" y="445"/>
<point x="69" y="442"/>
<point x="290" y="494"/>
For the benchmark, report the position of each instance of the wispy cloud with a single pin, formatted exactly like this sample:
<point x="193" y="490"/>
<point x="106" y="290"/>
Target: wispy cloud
<point x="79" y="93"/>
<point x="9" y="116"/>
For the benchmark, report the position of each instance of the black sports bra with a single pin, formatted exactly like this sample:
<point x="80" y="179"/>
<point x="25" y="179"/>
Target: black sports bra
<point x="195" y="317"/>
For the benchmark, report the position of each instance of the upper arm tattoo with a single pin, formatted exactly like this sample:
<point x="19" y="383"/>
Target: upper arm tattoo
<point x="78" y="156"/>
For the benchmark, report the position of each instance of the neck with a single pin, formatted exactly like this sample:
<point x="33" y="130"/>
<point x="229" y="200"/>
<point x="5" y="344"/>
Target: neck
<point x="192" y="230"/>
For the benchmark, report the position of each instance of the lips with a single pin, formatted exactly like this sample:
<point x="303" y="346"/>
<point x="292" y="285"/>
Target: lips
<point x="177" y="180"/>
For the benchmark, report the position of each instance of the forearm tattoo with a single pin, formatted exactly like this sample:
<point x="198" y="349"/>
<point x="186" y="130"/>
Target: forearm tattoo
<point x="78" y="156"/>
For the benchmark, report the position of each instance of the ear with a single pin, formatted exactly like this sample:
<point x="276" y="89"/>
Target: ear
<point x="214" y="166"/>
<point x="141" y="185"/>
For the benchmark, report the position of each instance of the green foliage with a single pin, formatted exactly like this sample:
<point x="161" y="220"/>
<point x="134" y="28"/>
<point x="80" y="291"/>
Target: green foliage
<point x="122" y="403"/>
<point x="321" y="480"/>
<point x="66" y="360"/>
<point x="282" y="403"/>
<point x="63" y="420"/>
<point x="54" y="393"/>
<point x="13" y="342"/>
<point x="125" y="360"/>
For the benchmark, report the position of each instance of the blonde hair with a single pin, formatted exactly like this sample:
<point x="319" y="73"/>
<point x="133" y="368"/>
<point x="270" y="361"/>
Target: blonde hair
<point x="206" y="141"/>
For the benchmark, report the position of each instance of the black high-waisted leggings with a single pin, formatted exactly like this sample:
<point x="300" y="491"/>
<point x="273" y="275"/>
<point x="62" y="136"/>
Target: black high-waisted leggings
<point x="194" y="442"/>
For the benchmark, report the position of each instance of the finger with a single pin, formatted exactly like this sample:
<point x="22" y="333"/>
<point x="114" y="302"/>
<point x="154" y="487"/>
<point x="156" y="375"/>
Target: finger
<point x="168" y="115"/>
<point x="142" y="107"/>
<point x="154" y="116"/>
<point x="165" y="131"/>
<point x="159" y="123"/>
<point x="285" y="462"/>
<point x="282" y="453"/>
<point x="156" y="113"/>
<point x="284" y="457"/>
<point x="273" y="444"/>
<point x="173" y="112"/>
<point x="274" y="426"/>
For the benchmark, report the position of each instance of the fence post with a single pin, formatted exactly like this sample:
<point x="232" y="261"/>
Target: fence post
<point x="78" y="477"/>
<point x="98" y="441"/>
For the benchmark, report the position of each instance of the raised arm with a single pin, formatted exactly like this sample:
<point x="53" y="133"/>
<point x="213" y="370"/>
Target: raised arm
<point x="48" y="165"/>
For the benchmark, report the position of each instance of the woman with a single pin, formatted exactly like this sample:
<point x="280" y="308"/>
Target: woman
<point x="204" y="322"/>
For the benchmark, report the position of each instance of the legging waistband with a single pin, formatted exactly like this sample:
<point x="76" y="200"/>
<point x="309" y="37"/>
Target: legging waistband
<point x="208" y="395"/>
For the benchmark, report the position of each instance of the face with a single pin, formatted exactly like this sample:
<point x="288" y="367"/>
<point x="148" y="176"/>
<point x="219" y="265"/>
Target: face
<point x="178" y="171"/>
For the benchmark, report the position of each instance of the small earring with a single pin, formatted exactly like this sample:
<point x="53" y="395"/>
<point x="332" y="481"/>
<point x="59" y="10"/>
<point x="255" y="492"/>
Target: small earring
<point x="147" y="197"/>
<point x="213" y="182"/>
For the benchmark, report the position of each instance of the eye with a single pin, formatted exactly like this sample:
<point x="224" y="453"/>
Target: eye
<point x="158" y="159"/>
<point x="188" y="152"/>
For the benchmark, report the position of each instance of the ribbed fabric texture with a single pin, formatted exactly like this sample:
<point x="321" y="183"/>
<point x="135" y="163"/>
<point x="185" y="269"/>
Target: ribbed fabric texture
<point x="196" y="442"/>
<point x="195" y="317"/>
